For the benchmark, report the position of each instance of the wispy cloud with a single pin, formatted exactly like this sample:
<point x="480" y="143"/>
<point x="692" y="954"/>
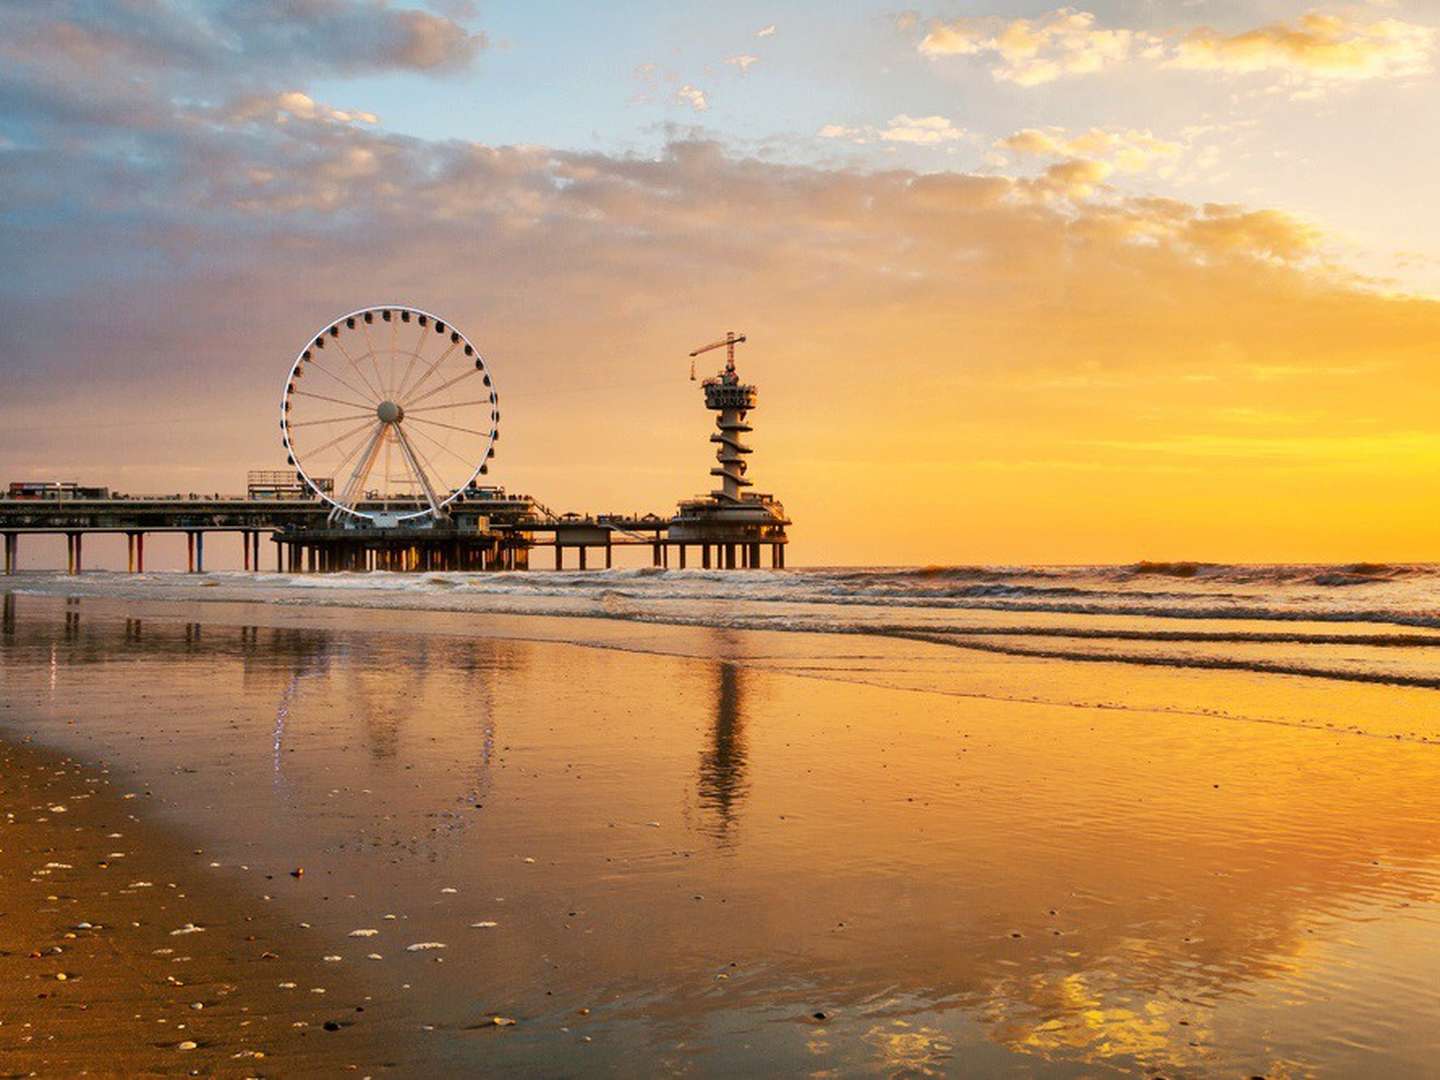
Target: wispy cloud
<point x="743" y="61"/>
<point x="692" y="96"/>
<point x="1029" y="52"/>
<point x="919" y="130"/>
<point x="223" y="40"/>
<point x="1128" y="151"/>
<point x="1068" y="42"/>
<point x="766" y="31"/>
<point x="1317" y="44"/>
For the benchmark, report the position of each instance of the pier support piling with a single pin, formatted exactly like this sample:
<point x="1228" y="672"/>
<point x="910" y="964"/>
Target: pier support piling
<point x="12" y="545"/>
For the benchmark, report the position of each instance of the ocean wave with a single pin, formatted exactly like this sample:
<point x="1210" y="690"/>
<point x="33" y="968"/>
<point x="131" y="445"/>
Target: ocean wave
<point x="1402" y="596"/>
<point x="1234" y="612"/>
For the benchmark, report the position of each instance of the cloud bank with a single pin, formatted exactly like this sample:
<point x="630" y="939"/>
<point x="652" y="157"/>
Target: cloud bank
<point x="1067" y="42"/>
<point x="176" y="246"/>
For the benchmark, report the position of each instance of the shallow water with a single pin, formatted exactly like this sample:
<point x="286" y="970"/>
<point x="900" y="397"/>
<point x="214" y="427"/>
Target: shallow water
<point x="967" y="861"/>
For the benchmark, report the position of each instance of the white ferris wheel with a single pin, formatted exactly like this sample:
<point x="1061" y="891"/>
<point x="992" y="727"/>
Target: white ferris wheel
<point x="389" y="414"/>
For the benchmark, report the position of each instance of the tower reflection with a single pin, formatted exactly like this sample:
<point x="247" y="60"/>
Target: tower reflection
<point x="721" y="783"/>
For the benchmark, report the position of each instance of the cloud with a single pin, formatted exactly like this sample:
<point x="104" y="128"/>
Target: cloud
<point x="766" y="31"/>
<point x="692" y="96"/>
<point x="1317" y="44"/>
<point x="743" y="61"/>
<point x="918" y="130"/>
<point x="1029" y="52"/>
<point x="90" y="38"/>
<point x="1069" y="42"/>
<point x="293" y="104"/>
<point x="1129" y="151"/>
<point x="1076" y="179"/>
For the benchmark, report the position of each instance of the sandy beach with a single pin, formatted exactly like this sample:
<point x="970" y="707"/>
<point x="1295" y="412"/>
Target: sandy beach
<point x="123" y="957"/>
<point x="691" y="849"/>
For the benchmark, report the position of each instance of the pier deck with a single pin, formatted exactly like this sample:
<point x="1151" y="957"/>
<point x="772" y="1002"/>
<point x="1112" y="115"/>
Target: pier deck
<point x="480" y="534"/>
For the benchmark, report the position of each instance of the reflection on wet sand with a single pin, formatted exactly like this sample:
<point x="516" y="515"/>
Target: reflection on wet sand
<point x="876" y="880"/>
<point x="721" y="783"/>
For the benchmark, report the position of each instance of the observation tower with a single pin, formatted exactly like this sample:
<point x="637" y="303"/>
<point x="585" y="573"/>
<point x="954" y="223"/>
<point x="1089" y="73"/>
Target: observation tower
<point x="736" y="521"/>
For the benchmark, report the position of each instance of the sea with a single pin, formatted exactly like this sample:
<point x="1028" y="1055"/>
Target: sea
<point x="1174" y="819"/>
<point x="1365" y="622"/>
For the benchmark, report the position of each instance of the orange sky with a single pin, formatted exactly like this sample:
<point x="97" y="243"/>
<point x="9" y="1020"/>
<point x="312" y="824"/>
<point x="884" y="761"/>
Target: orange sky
<point x="957" y="362"/>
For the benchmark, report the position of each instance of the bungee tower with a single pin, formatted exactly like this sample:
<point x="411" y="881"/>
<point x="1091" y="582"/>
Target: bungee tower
<point x="737" y="523"/>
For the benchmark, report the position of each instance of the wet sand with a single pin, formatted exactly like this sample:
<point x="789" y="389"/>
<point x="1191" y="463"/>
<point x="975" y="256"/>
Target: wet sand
<point x="685" y="850"/>
<point x="118" y="957"/>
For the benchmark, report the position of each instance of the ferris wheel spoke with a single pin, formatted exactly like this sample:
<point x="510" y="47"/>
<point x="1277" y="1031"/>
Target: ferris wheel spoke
<point x="443" y="386"/>
<point x="452" y="427"/>
<point x="343" y="382"/>
<point x="340" y="438"/>
<point x="410" y="367"/>
<point x="334" y="419"/>
<point x="452" y="405"/>
<point x="411" y="459"/>
<point x="404" y="390"/>
<point x="469" y="465"/>
<point x="340" y="465"/>
<point x="394" y="340"/>
<point x="336" y="401"/>
<point x="356" y="366"/>
<point x="363" y="465"/>
<point x="370" y="345"/>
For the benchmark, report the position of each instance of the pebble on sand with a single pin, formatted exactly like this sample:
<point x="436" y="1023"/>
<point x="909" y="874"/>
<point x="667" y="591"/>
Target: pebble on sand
<point x="364" y="933"/>
<point x="421" y="946"/>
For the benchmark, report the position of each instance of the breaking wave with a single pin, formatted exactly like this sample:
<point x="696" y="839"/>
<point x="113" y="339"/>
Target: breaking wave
<point x="1366" y="622"/>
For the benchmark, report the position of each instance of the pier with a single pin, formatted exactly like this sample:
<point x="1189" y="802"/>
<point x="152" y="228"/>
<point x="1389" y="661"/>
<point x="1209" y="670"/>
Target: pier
<point x="497" y="533"/>
<point x="385" y="504"/>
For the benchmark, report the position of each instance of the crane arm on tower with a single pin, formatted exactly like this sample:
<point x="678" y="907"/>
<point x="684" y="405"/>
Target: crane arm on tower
<point x="729" y="339"/>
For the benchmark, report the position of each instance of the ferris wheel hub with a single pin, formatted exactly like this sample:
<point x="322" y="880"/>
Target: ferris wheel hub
<point x="389" y="412"/>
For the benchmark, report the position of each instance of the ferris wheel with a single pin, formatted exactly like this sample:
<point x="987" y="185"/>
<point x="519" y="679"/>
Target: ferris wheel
<point x="389" y="414"/>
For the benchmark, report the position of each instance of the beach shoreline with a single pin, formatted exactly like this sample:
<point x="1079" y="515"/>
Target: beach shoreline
<point x="121" y="958"/>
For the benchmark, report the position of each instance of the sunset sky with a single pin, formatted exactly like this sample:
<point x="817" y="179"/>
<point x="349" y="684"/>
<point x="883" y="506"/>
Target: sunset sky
<point x="1146" y="279"/>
